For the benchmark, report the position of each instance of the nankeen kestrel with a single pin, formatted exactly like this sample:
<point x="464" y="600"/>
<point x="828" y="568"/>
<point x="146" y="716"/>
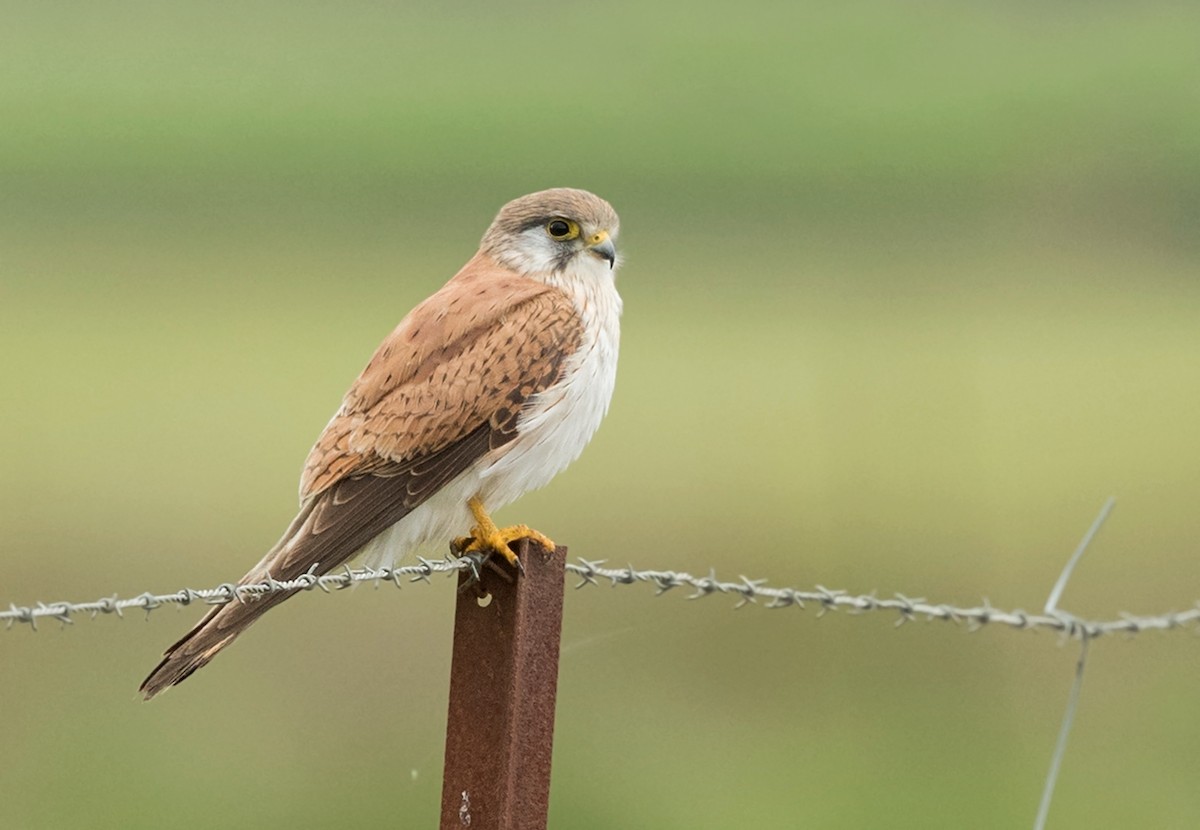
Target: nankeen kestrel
<point x="487" y="389"/>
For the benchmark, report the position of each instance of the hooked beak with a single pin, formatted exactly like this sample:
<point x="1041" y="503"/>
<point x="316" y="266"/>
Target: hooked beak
<point x="600" y="245"/>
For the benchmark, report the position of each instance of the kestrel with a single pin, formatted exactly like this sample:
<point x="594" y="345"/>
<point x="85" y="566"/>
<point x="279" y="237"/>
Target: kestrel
<point x="487" y="389"/>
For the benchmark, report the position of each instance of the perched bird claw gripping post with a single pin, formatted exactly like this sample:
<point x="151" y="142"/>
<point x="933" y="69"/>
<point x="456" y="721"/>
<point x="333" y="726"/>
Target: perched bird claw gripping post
<point x="488" y="539"/>
<point x="486" y="390"/>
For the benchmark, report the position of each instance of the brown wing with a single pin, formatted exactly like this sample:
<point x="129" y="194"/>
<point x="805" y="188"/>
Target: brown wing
<point x="444" y="388"/>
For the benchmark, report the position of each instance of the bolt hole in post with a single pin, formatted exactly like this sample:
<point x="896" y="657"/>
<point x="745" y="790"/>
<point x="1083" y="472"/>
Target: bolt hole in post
<point x="484" y="601"/>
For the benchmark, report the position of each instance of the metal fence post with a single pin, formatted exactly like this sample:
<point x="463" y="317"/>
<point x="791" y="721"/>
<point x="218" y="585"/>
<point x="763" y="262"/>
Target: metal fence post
<point x="503" y="683"/>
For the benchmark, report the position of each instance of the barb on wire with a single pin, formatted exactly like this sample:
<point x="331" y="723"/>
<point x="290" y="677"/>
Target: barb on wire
<point x="744" y="590"/>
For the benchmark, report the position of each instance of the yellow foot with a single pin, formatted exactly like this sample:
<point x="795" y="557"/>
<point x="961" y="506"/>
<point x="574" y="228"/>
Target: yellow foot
<point x="486" y="538"/>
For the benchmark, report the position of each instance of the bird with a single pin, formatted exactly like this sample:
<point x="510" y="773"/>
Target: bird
<point x="485" y="390"/>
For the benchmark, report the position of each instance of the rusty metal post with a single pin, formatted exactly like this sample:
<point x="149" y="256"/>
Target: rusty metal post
<point x="503" y="682"/>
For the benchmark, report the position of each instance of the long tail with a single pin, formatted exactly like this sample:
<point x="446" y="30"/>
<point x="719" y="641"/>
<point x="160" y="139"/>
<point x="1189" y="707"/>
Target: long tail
<point x="215" y="631"/>
<point x="222" y="625"/>
<point x="331" y="528"/>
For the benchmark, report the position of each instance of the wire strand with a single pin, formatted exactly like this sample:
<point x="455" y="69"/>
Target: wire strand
<point x="590" y="573"/>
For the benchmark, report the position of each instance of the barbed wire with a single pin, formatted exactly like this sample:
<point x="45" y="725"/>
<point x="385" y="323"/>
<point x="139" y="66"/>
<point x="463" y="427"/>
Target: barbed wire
<point x="745" y="590"/>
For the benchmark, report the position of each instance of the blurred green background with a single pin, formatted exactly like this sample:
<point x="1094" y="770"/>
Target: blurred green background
<point x="910" y="289"/>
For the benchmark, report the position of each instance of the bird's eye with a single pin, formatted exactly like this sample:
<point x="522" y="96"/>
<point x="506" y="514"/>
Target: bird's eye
<point x="562" y="229"/>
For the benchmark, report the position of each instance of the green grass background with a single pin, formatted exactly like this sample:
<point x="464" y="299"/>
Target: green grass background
<point x="910" y="289"/>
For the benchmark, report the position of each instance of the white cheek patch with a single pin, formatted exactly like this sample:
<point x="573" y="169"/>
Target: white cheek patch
<point x="533" y="252"/>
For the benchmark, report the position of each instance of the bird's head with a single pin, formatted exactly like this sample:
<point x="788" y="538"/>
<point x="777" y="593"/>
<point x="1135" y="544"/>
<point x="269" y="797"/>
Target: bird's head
<point x="559" y="232"/>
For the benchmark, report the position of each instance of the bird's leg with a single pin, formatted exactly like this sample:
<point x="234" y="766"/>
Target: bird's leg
<point x="487" y="538"/>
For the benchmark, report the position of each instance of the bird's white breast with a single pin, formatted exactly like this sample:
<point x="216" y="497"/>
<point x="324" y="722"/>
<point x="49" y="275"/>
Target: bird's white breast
<point x="557" y="424"/>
